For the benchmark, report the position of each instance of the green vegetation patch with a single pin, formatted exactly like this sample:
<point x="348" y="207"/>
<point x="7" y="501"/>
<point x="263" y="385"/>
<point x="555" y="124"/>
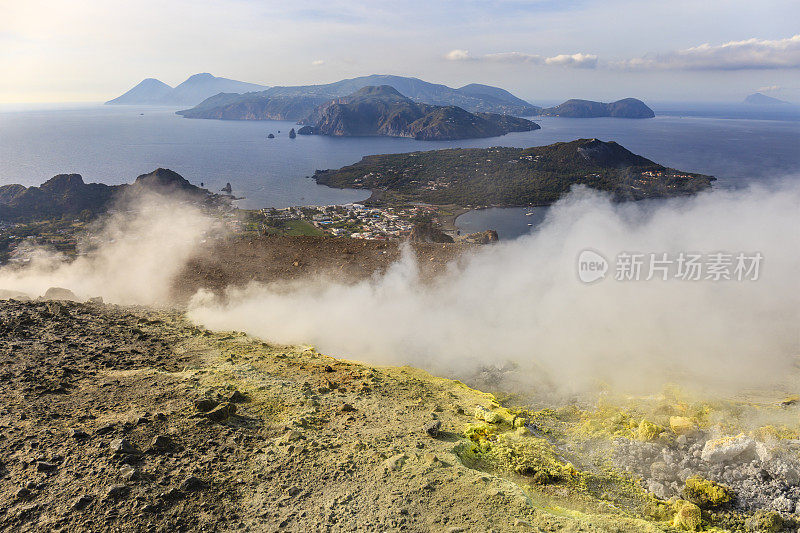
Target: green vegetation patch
<point x="513" y="176"/>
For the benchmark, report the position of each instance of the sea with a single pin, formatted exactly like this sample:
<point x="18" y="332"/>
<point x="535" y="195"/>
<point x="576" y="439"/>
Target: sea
<point x="114" y="144"/>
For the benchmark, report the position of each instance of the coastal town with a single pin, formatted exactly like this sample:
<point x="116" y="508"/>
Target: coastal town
<point x="354" y="220"/>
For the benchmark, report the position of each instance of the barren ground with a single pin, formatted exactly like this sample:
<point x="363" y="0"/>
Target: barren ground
<point x="315" y="444"/>
<point x="132" y="419"/>
<point x="267" y="259"/>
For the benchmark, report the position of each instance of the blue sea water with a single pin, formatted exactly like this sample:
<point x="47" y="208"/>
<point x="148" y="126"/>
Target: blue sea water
<point x="114" y="144"/>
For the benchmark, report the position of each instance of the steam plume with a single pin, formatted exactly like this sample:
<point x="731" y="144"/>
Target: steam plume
<point x="521" y="301"/>
<point x="518" y="302"/>
<point x="131" y="259"/>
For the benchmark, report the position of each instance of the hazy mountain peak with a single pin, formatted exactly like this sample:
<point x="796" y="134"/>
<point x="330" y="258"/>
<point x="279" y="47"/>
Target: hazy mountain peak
<point x="146" y="91"/>
<point x="763" y="99"/>
<point x="200" y="76"/>
<point x="154" y="82"/>
<point x="192" y="91"/>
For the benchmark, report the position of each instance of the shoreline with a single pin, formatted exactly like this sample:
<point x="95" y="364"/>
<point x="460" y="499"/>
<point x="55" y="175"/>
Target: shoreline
<point x="447" y="222"/>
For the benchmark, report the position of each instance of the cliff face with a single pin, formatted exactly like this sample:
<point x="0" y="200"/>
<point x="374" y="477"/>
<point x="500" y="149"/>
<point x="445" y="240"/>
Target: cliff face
<point x="384" y="111"/>
<point x="625" y="108"/>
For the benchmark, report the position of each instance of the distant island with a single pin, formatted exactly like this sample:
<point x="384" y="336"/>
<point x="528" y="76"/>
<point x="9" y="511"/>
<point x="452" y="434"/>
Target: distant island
<point x="512" y="176"/>
<point x="384" y="111"/>
<point x="625" y="108"/>
<point x="225" y="99"/>
<point x="66" y="195"/>
<point x="762" y="99"/>
<point x="191" y="92"/>
<point x="296" y="103"/>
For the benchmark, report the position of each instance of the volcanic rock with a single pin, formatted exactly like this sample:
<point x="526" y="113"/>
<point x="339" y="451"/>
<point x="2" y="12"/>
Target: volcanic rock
<point x="221" y="412"/>
<point x="726" y="449"/>
<point x="59" y="293"/>
<point x="432" y="428"/>
<point x="123" y="447"/>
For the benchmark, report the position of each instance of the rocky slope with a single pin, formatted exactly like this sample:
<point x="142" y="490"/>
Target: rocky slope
<point x="130" y="418"/>
<point x="384" y="111"/>
<point x="120" y="418"/>
<point x="625" y="108"/>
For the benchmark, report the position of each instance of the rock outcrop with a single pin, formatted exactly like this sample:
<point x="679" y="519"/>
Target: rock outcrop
<point x="427" y="233"/>
<point x="483" y="237"/>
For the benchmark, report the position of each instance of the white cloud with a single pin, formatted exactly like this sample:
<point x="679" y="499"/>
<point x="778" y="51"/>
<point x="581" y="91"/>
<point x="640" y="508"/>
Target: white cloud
<point x="458" y="55"/>
<point x="573" y="60"/>
<point x="770" y="89"/>
<point x="317" y="63"/>
<point x="750" y="54"/>
<point x="578" y="60"/>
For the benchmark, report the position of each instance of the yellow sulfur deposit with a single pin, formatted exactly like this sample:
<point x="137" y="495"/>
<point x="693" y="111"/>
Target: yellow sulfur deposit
<point x="706" y="493"/>
<point x="682" y="425"/>
<point x="687" y="516"/>
<point x="648" y="431"/>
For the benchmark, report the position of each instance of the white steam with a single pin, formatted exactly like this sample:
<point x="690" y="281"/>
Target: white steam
<point x="132" y="259"/>
<point x="521" y="301"/>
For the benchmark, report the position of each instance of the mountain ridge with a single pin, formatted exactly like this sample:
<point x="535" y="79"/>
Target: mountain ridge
<point x="296" y="102"/>
<point x="68" y="195"/>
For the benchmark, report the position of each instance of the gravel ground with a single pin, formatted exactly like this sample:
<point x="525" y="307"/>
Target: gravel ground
<point x="761" y="477"/>
<point x="122" y="419"/>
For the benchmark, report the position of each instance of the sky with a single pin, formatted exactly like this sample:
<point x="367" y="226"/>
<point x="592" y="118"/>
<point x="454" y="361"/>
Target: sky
<point x="542" y="50"/>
